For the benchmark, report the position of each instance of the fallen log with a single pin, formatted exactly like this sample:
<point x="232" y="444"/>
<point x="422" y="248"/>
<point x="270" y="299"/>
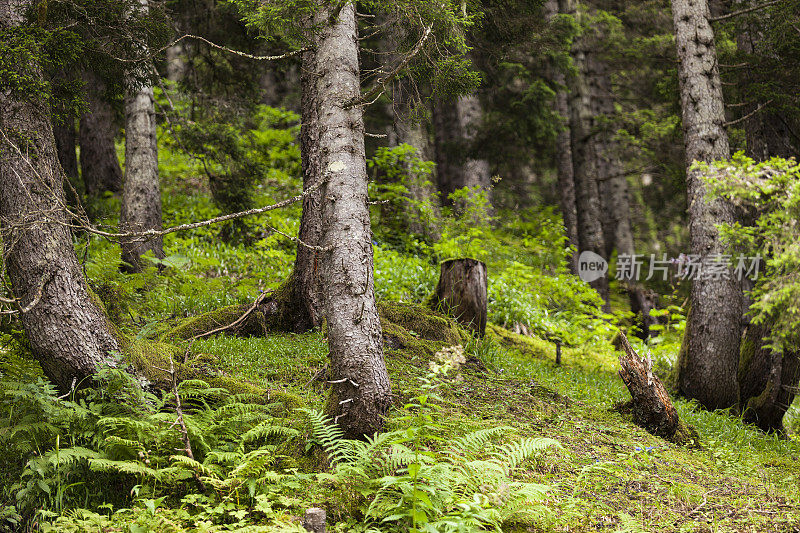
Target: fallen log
<point x="650" y="404"/>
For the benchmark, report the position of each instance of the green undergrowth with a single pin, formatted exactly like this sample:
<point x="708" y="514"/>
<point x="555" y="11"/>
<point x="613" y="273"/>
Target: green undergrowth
<point x="607" y="474"/>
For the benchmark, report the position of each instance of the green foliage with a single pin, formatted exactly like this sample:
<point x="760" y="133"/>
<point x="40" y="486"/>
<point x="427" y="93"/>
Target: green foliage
<point x="771" y="190"/>
<point x="403" y="482"/>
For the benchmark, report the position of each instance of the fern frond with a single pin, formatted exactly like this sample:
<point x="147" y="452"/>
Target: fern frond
<point x="331" y="437"/>
<point x="134" y="468"/>
<point x="266" y="431"/>
<point x="514" y="453"/>
<point x="473" y="444"/>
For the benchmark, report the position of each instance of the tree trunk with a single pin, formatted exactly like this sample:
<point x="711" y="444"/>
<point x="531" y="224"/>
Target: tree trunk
<point x="584" y="158"/>
<point x="564" y="170"/>
<point x="66" y="141"/>
<point x="462" y="293"/>
<point x="141" y="195"/>
<point x="708" y="365"/>
<point x="360" y="393"/>
<point x="456" y="124"/>
<point x="767" y="380"/>
<point x="767" y="133"/>
<point x="68" y="333"/>
<point x="100" y="168"/>
<point x="176" y="62"/>
<point x="651" y="405"/>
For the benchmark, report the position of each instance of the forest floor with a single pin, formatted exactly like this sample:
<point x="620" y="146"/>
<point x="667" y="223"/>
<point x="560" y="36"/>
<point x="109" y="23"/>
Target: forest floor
<point x="610" y="475"/>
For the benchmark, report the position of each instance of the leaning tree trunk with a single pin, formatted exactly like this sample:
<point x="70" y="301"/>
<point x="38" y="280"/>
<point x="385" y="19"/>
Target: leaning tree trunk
<point x="360" y="393"/>
<point x="564" y="170"/>
<point x="462" y="293"/>
<point x="66" y="141"/>
<point x="141" y="195"/>
<point x="709" y="360"/>
<point x="68" y="333"/>
<point x="100" y="168"/>
<point x="587" y="194"/>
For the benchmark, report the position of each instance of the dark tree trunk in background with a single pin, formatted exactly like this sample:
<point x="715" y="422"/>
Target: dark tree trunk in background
<point x="66" y="139"/>
<point x="334" y="149"/>
<point x="176" y="62"/>
<point x="584" y="158"/>
<point x="566" y="175"/>
<point x="462" y="293"/>
<point x="709" y="359"/>
<point x="68" y="333"/>
<point x="100" y="168"/>
<point x="141" y="195"/>
<point x="767" y="133"/>
<point x="767" y="380"/>
<point x="456" y="123"/>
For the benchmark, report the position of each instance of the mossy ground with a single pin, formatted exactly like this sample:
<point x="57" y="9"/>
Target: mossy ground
<point x="610" y="476"/>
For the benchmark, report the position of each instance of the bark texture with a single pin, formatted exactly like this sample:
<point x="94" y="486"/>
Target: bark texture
<point x="462" y="293"/>
<point x="66" y="140"/>
<point x="141" y="195"/>
<point x="709" y="360"/>
<point x="652" y="407"/>
<point x="456" y="124"/>
<point x="100" y="168"/>
<point x="360" y="393"/>
<point x="566" y="175"/>
<point x="68" y="333"/>
<point x="584" y="157"/>
<point x="767" y="380"/>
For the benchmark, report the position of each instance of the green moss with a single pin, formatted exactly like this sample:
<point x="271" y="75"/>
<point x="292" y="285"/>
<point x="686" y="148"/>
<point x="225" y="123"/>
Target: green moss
<point x="417" y="330"/>
<point x="526" y="345"/>
<point x="193" y="326"/>
<point x="685" y="435"/>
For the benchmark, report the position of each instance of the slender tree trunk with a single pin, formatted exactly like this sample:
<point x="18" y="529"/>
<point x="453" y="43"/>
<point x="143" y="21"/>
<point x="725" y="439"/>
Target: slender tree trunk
<point x="141" y="195"/>
<point x="456" y="124"/>
<point x="100" y="168"/>
<point x="564" y="170"/>
<point x="709" y="360"/>
<point x="360" y="394"/>
<point x="176" y="62"/>
<point x="68" y="333"/>
<point x="584" y="157"/>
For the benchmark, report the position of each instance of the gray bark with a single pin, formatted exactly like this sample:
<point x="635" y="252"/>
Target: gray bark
<point x="68" y="333"/>
<point x="360" y="394"/>
<point x="564" y="170"/>
<point x="100" y="168"/>
<point x="456" y="124"/>
<point x="176" y="62"/>
<point x="584" y="157"/>
<point x="141" y="194"/>
<point x="767" y="133"/>
<point x="709" y="359"/>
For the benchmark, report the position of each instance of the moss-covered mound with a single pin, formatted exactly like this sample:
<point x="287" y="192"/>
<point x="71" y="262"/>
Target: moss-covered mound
<point x="417" y="330"/>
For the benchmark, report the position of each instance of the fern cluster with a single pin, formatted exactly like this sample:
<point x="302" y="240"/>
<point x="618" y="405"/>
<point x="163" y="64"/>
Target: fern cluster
<point x="402" y="482"/>
<point x="102" y="446"/>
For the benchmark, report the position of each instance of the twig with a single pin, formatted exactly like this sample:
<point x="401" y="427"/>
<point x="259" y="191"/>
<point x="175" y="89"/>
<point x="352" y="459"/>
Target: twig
<point x="750" y="114"/>
<point x="744" y="11"/>
<point x="380" y="83"/>
<point x="182" y="425"/>
<point x="238" y="320"/>
<point x="236" y="52"/>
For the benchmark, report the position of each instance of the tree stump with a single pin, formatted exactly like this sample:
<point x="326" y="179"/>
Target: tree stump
<point x="651" y="405"/>
<point x="314" y="520"/>
<point x="462" y="293"/>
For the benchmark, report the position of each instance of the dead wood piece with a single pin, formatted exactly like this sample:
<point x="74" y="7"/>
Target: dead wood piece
<point x="462" y="293"/>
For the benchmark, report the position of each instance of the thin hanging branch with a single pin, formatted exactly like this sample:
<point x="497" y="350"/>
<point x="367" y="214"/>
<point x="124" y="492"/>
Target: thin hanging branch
<point x="235" y="52"/>
<point x="750" y="114"/>
<point x="744" y="11"/>
<point x="380" y="84"/>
